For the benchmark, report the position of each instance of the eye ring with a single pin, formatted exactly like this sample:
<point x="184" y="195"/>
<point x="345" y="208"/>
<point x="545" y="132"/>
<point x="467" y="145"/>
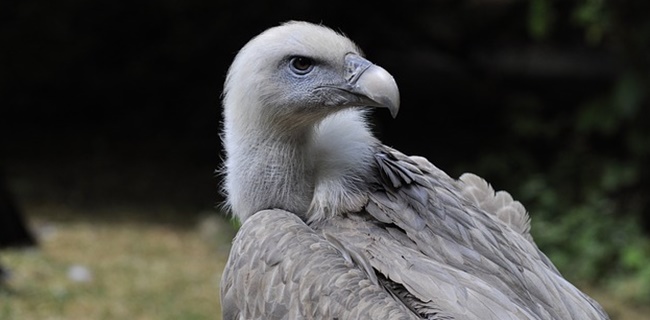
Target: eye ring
<point x="301" y="65"/>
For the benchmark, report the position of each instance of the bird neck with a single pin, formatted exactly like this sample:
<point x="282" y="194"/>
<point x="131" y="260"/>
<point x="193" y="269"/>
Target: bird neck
<point x="268" y="170"/>
<point x="344" y="149"/>
<point x="314" y="173"/>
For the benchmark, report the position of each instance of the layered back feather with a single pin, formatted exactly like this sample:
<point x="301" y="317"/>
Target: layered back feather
<point x="500" y="204"/>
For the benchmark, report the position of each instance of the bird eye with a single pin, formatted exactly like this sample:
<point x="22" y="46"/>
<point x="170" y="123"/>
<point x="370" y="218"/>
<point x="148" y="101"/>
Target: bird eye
<point x="301" y="65"/>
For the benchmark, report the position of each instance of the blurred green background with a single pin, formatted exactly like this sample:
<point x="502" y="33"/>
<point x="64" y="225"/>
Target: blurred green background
<point x="110" y="115"/>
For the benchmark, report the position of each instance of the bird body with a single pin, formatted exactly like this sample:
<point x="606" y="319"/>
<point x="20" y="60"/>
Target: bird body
<point x="338" y="226"/>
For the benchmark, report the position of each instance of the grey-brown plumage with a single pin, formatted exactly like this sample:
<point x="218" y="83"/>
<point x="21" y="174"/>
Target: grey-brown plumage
<point x="274" y="278"/>
<point x="338" y="226"/>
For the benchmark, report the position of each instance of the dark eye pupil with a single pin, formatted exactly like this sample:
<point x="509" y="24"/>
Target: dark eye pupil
<point x="301" y="63"/>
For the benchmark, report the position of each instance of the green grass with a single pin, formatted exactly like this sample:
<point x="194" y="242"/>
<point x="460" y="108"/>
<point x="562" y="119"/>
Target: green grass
<point x="157" y="269"/>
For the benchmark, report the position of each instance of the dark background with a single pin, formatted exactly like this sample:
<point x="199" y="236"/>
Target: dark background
<point x="109" y="103"/>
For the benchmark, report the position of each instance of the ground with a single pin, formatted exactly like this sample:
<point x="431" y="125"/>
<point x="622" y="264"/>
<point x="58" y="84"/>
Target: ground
<point x="122" y="269"/>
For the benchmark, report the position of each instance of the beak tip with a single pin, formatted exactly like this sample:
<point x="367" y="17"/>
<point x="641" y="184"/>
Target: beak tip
<point x="393" y="111"/>
<point x="392" y="105"/>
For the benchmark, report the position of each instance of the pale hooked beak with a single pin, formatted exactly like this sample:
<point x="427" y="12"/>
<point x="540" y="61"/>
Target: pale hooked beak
<point x="373" y="82"/>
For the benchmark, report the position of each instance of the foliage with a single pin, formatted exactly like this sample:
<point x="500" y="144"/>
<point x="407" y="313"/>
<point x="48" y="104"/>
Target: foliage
<point x="586" y="182"/>
<point x="591" y="241"/>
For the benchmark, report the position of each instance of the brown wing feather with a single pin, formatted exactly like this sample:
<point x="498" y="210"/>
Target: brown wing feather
<point x="500" y="204"/>
<point x="279" y="268"/>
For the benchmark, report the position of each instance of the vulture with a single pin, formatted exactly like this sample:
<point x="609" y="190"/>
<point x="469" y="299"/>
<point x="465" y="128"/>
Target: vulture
<point x="336" y="225"/>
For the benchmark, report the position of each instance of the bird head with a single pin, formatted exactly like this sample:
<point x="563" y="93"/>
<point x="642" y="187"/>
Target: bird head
<point x="296" y="74"/>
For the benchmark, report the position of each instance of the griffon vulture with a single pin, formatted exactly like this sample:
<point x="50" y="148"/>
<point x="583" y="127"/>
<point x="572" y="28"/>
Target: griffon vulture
<point x="338" y="226"/>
